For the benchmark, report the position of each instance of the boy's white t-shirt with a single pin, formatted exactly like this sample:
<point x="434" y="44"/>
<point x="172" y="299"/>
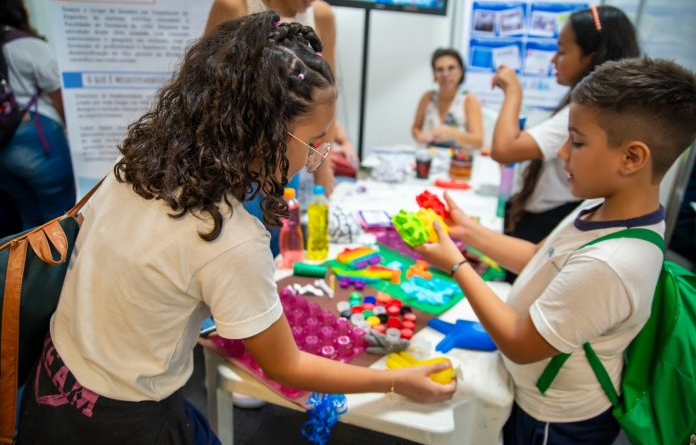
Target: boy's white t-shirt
<point x="600" y="294"/>
<point x="552" y="189"/>
<point x="140" y="282"/>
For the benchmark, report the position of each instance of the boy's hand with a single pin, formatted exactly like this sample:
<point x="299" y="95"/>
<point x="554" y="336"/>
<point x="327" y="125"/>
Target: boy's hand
<point x="506" y="79"/>
<point x="443" y="254"/>
<point x="459" y="223"/>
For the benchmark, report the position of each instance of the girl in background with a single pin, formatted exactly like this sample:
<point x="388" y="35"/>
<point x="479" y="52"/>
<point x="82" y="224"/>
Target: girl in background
<point x="589" y="38"/>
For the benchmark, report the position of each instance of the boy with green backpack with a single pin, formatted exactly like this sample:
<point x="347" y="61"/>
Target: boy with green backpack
<point x="596" y="293"/>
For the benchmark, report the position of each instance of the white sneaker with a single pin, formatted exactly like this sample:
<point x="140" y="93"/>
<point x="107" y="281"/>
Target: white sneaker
<point x="246" y="402"/>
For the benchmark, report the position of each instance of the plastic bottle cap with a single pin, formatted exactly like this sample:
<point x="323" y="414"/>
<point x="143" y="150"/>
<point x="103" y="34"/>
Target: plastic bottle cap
<point x="319" y="190"/>
<point x="289" y="193"/>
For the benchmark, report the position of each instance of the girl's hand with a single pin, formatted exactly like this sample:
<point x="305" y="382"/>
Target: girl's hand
<point x="443" y="254"/>
<point x="415" y="383"/>
<point x="506" y="79"/>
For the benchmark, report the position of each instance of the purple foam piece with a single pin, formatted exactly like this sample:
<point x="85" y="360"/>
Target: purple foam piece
<point x="314" y="329"/>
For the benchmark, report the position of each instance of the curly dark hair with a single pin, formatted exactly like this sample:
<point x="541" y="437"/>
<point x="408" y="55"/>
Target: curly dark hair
<point x="219" y="128"/>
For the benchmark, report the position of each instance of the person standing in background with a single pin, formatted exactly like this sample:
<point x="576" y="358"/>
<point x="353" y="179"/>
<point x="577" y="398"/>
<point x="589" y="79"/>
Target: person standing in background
<point x="318" y="15"/>
<point x="35" y="167"/>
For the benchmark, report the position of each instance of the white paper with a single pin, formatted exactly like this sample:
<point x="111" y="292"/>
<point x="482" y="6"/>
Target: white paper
<point x="113" y="57"/>
<point x="508" y="55"/>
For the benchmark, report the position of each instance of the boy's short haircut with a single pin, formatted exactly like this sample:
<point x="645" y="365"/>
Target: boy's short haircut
<point x="644" y="99"/>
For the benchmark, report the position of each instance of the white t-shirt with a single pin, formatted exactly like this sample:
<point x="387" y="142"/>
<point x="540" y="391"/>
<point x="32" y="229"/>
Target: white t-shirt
<point x="139" y="284"/>
<point x="32" y="66"/>
<point x="600" y="294"/>
<point x="305" y="18"/>
<point x="552" y="189"/>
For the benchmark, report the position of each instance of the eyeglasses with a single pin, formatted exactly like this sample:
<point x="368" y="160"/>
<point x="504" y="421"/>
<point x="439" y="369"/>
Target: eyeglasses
<point x="317" y="156"/>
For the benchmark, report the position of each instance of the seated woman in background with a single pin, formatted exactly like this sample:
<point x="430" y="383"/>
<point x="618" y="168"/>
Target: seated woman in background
<point x="449" y="115"/>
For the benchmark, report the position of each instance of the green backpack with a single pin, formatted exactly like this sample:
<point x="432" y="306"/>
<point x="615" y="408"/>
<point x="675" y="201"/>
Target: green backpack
<point x="657" y="405"/>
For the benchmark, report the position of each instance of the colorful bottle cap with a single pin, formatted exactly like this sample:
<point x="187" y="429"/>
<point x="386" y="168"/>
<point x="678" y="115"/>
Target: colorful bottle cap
<point x="289" y="193"/>
<point x="373" y="320"/>
<point x="379" y="328"/>
<point x="368" y="306"/>
<point x="368" y="314"/>
<point x="342" y="306"/>
<point x="355" y="296"/>
<point x="406" y="334"/>
<point x="394" y="322"/>
<point x="406" y="309"/>
<point x="393" y="311"/>
<point x="408" y="324"/>
<point x="370" y="299"/>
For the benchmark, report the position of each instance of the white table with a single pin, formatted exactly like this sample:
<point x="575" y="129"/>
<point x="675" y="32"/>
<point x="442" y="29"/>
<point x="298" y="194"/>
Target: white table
<point x="482" y="403"/>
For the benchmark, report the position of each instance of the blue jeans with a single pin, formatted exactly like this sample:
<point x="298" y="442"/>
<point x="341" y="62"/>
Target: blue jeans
<point x="41" y="185"/>
<point x="523" y="429"/>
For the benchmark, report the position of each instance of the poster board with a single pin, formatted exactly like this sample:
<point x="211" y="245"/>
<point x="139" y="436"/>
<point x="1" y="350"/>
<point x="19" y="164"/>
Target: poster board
<point x="522" y="34"/>
<point x="113" y="57"/>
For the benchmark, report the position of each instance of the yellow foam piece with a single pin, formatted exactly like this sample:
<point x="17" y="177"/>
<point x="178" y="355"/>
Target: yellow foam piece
<point x="405" y="360"/>
<point x="428" y="217"/>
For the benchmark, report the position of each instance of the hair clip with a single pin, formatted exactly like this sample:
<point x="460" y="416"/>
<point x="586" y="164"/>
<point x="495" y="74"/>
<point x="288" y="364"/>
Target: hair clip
<point x="300" y="76"/>
<point x="595" y="16"/>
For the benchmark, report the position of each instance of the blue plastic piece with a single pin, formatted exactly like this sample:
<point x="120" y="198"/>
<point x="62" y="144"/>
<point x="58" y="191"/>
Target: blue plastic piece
<point x="464" y="334"/>
<point x="324" y="411"/>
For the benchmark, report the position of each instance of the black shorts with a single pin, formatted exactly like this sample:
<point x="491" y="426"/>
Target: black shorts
<point x="57" y="410"/>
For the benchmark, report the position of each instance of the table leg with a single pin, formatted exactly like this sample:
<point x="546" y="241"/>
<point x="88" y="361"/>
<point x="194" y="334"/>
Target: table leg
<point x="220" y="407"/>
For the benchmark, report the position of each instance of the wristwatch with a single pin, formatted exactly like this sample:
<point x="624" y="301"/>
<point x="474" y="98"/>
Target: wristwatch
<point x="457" y="266"/>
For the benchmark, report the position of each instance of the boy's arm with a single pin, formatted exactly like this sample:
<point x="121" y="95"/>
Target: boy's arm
<point x="510" y="252"/>
<point x="515" y="335"/>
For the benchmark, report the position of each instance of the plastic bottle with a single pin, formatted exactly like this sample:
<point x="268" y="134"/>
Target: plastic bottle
<point x="318" y="225"/>
<point x="291" y="240"/>
<point x="507" y="179"/>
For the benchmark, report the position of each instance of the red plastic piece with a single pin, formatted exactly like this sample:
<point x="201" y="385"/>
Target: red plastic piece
<point x="406" y="334"/>
<point x="428" y="200"/>
<point x="451" y="184"/>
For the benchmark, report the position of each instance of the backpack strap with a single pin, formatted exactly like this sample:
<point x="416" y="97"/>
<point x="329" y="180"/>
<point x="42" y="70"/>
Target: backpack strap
<point x="553" y="368"/>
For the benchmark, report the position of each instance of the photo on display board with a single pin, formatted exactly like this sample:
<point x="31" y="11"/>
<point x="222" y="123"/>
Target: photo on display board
<point x="520" y="34"/>
<point x="512" y="21"/>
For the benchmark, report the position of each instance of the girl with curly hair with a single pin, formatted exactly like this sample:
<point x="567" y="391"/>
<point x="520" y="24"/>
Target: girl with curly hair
<point x="165" y="242"/>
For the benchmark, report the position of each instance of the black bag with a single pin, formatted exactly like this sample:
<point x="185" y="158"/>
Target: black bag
<point x="33" y="265"/>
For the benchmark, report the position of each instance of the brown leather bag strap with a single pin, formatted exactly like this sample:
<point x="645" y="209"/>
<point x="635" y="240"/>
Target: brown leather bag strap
<point x="9" y="339"/>
<point x="75" y="210"/>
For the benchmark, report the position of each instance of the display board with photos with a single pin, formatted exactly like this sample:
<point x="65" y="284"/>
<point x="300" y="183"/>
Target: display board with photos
<point x="520" y="34"/>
